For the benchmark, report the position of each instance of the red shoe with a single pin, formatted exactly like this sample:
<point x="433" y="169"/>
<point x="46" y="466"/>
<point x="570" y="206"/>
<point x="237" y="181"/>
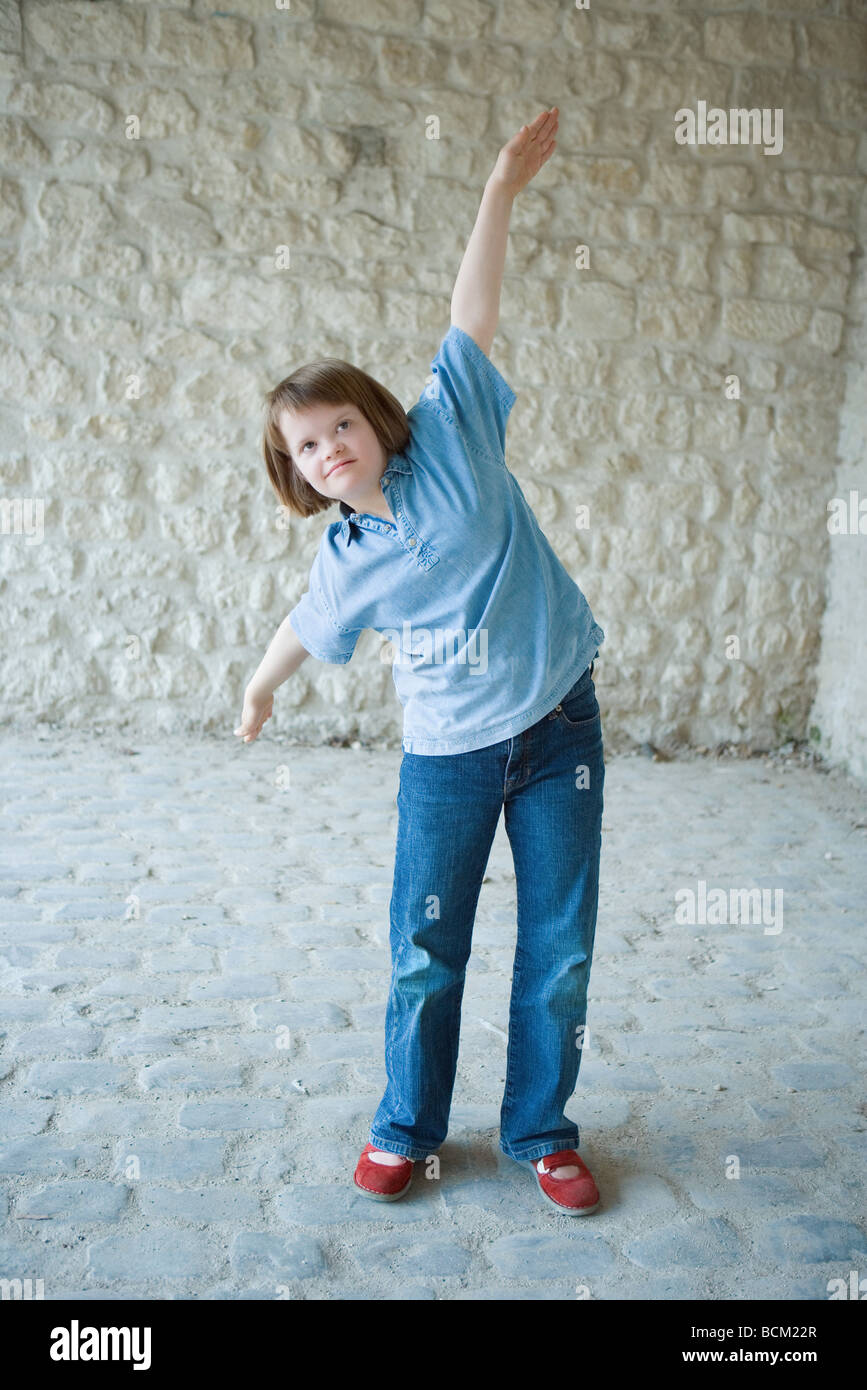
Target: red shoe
<point x="576" y="1196"/>
<point x="384" y="1182"/>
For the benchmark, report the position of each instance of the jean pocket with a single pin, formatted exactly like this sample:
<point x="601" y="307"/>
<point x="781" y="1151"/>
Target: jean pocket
<point x="579" y="705"/>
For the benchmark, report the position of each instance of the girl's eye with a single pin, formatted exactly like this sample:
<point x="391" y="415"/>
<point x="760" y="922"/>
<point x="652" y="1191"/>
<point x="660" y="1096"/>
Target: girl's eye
<point x="309" y="441"/>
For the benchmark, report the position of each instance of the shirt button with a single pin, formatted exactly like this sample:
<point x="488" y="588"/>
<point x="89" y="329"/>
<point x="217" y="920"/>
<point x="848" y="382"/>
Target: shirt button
<point x="386" y="481"/>
<point x="412" y="542"/>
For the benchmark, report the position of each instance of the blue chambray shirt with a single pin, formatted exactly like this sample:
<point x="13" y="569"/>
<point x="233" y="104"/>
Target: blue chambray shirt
<point x="488" y="629"/>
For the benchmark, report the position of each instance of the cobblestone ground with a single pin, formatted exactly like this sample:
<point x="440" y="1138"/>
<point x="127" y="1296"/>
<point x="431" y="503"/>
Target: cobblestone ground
<point x="194" y="967"/>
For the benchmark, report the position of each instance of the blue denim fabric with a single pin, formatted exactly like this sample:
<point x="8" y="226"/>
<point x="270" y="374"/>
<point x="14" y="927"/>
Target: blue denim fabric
<point x="448" y="811"/>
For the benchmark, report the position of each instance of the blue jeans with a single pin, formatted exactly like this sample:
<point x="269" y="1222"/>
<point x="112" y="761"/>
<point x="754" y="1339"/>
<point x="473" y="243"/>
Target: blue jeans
<point x="549" y="779"/>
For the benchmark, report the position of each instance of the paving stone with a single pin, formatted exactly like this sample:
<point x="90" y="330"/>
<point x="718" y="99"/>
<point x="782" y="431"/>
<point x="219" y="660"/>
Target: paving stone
<point x="41" y="1154"/>
<point x="308" y="934"/>
<point x="16" y="954"/>
<point x="695" y="988"/>
<point x="670" y="1150"/>
<point x="334" y="988"/>
<point x="814" y="1076"/>
<point x="24" y="1010"/>
<point x="856" y="1142"/>
<point x="182" y="1016"/>
<point x="473" y="1119"/>
<point x="178" y="914"/>
<point x="144" y="1044"/>
<point x="335" y="1204"/>
<point x="415" y="1259"/>
<point x="347" y="1045"/>
<point x="337" y="1112"/>
<point x="666" y="1016"/>
<point x="780" y="1151"/>
<point x="133" y="986"/>
<point x="76" y="1078"/>
<point x="637" y="1192"/>
<point x="106" y="1117"/>
<point x="702" y="1076"/>
<point x="717" y="1110"/>
<point x="783" y="1286"/>
<point x="36" y="869"/>
<point x="633" y="1076"/>
<point x="848" y="1013"/>
<point x="236" y="986"/>
<point x="316" y="1016"/>
<point x="538" y="1255"/>
<point x="232" y="1114"/>
<point x="247" y="895"/>
<point x="22" y="1117"/>
<point x="750" y="1192"/>
<point x="178" y="961"/>
<point x="77" y="1201"/>
<point x="204" y="1204"/>
<point x="154" y="1252"/>
<point x="177" y="1159"/>
<point x="769" y="1112"/>
<point x="495" y="1293"/>
<point x="176" y="1073"/>
<point x="810" y="1239"/>
<point x="654" y="1045"/>
<point x="87" y="910"/>
<point x="665" y="1286"/>
<point x="597" y="1112"/>
<point x="298" y="1257"/>
<point x="350" y="958"/>
<point x="50" y="980"/>
<point x="97" y="957"/>
<point x="711" y="1242"/>
<point x="490" y="1195"/>
<point x="78" y="1039"/>
<point x="266" y="958"/>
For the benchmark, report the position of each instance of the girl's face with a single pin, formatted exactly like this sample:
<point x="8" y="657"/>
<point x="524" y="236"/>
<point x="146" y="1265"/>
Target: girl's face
<point x="335" y="448"/>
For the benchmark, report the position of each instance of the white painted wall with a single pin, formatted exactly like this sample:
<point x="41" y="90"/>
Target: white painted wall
<point x="148" y="265"/>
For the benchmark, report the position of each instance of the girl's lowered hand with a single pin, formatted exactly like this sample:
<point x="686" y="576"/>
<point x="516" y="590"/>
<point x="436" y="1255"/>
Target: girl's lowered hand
<point x="258" y="706"/>
<point x="521" y="159"/>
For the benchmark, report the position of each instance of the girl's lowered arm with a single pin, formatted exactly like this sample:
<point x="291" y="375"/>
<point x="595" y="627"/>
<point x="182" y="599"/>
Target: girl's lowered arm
<point x="475" y="303"/>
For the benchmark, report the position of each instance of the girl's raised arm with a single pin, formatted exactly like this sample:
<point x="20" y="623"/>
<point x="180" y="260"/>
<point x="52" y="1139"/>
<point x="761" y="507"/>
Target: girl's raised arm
<point x="476" y="296"/>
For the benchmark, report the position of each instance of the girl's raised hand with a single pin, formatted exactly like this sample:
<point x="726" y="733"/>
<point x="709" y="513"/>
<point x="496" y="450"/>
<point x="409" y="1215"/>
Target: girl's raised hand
<point x="521" y="159"/>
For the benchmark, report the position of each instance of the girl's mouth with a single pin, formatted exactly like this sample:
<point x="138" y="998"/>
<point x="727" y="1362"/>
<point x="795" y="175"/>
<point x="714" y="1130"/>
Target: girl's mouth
<point x="344" y="464"/>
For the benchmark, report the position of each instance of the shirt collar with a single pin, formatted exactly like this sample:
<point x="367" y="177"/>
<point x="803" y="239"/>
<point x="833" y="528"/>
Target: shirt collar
<point x="397" y="465"/>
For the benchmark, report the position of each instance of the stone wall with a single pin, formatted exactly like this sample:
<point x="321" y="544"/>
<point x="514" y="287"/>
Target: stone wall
<point x="684" y="380"/>
<point x="839" y="716"/>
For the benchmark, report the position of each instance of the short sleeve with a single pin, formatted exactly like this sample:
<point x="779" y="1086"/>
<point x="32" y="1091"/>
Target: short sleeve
<point x="468" y="387"/>
<point x="316" y="627"/>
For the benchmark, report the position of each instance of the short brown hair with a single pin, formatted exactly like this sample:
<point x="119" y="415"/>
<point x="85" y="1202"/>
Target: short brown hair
<point x="333" y="381"/>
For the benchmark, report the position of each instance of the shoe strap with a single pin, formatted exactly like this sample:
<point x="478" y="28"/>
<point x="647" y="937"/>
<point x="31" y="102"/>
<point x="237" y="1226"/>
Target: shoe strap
<point x="560" y="1159"/>
<point x="371" y="1148"/>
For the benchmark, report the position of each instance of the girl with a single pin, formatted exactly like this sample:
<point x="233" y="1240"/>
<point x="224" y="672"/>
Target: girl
<point x="436" y="540"/>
